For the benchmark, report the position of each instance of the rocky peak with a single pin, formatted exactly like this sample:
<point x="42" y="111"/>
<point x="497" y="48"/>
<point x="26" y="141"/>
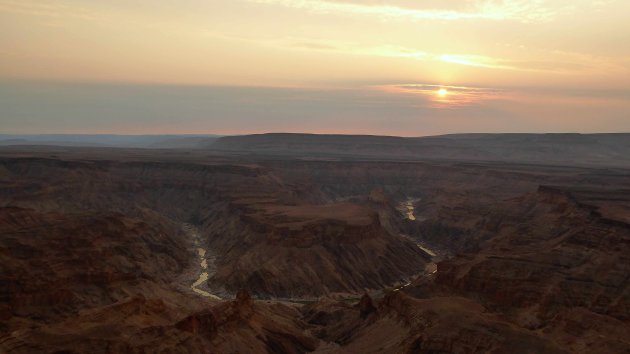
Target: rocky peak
<point x="243" y="305"/>
<point x="366" y="305"/>
<point x="243" y="297"/>
<point x="203" y="322"/>
<point x="377" y="195"/>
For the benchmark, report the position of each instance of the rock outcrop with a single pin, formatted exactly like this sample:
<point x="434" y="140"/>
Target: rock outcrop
<point x="552" y="254"/>
<point x="313" y="250"/>
<point x="94" y="259"/>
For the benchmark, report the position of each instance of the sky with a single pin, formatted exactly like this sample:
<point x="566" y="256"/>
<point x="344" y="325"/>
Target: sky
<point x="385" y="67"/>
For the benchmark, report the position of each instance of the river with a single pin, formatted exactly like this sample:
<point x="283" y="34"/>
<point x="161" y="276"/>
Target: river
<point x="204" y="270"/>
<point x="408" y="210"/>
<point x="207" y="267"/>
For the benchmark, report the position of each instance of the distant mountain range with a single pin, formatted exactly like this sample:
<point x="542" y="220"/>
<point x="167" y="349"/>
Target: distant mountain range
<point x="567" y="149"/>
<point x="110" y="140"/>
<point x="572" y="149"/>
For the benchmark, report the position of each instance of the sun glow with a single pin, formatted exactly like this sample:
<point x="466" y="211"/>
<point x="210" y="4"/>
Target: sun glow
<point x="439" y="96"/>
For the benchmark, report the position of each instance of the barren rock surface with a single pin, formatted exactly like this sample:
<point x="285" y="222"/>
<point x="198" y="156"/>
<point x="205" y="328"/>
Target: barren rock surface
<point x="309" y="255"/>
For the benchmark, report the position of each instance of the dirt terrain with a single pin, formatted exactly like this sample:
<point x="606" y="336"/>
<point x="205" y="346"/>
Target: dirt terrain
<point x="309" y="254"/>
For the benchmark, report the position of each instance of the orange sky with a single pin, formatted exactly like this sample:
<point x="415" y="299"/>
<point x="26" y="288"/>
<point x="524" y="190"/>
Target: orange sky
<point x="546" y="65"/>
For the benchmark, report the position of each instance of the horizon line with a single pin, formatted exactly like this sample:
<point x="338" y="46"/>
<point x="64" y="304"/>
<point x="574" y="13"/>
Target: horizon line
<point x="307" y="133"/>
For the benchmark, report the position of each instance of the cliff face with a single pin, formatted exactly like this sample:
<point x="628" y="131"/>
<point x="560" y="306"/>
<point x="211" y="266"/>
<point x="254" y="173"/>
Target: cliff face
<point x="94" y="257"/>
<point x="551" y="255"/>
<point x="269" y="235"/>
<point x="145" y="325"/>
<point x="106" y="283"/>
<point x="560" y="149"/>
<point x="244" y="326"/>
<point x="57" y="265"/>
<point x="308" y="253"/>
<point x="399" y="323"/>
<point x="49" y="259"/>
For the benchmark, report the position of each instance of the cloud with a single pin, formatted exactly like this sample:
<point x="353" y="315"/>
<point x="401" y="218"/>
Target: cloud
<point x="473" y="60"/>
<point x="392" y="51"/>
<point x="566" y="62"/>
<point x="482" y="61"/>
<point x="458" y="5"/>
<point x="44" y="8"/>
<point x="314" y="45"/>
<point x="519" y="10"/>
<point x="455" y="97"/>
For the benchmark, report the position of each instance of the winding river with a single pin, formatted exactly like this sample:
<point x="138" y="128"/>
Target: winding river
<point x="204" y="270"/>
<point x="207" y="268"/>
<point x="408" y="209"/>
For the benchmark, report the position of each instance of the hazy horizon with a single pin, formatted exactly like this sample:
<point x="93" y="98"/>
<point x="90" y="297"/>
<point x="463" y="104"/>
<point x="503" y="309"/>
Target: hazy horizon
<point x="390" y="67"/>
<point x="79" y="134"/>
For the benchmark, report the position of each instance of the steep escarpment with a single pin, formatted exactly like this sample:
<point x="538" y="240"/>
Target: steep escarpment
<point x="175" y="190"/>
<point x="554" y="259"/>
<point x="55" y="265"/>
<point x="559" y="149"/>
<point x="453" y="202"/>
<point x="138" y="324"/>
<point x="399" y="323"/>
<point x="311" y="250"/>
<point x="270" y="234"/>
<point x="105" y="282"/>
<point x="108" y="254"/>
<point x="96" y="259"/>
<point x="242" y="325"/>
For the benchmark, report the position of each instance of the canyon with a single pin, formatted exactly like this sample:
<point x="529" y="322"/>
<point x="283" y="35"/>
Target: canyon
<point x="219" y="249"/>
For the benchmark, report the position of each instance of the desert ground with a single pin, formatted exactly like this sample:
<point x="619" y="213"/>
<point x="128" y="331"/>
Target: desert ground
<point x="286" y="244"/>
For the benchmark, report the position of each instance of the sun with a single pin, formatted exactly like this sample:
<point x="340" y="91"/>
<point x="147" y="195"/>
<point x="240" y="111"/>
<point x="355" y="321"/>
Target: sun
<point x="442" y="92"/>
